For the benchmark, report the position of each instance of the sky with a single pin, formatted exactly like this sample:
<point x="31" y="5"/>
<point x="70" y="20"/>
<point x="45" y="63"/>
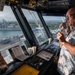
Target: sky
<point x="8" y="15"/>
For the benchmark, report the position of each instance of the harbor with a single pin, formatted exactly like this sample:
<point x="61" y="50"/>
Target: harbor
<point x="10" y="42"/>
<point x="9" y="25"/>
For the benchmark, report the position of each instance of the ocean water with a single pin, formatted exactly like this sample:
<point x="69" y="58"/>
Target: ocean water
<point x="7" y="34"/>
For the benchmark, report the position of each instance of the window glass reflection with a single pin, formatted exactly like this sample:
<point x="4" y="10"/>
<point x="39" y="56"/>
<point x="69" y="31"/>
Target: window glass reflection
<point x="10" y="33"/>
<point x="53" y="23"/>
<point x="36" y="26"/>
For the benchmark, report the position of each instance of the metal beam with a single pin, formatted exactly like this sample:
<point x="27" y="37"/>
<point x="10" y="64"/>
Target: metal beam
<point x="24" y="25"/>
<point x="49" y="34"/>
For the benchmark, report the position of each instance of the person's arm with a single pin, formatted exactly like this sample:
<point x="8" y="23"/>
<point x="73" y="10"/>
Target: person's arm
<point x="69" y="47"/>
<point x="60" y="44"/>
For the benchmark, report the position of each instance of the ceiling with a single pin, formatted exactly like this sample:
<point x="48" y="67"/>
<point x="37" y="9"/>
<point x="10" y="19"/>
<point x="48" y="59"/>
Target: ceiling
<point x="57" y="6"/>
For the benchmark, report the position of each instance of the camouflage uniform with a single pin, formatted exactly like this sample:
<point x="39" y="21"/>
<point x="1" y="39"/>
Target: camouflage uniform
<point x="66" y="62"/>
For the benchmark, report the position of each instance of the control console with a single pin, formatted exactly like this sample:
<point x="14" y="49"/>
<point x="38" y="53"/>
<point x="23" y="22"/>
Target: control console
<point x="39" y="59"/>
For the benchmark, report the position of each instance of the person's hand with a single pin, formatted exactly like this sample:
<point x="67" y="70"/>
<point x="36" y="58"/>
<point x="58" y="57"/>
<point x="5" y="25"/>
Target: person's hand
<point x="62" y="24"/>
<point x="61" y="37"/>
<point x="63" y="29"/>
<point x="67" y="30"/>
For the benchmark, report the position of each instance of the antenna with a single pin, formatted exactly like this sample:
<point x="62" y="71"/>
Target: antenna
<point x="2" y="2"/>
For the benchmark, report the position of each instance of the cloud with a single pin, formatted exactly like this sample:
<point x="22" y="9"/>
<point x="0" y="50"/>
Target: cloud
<point x="7" y="14"/>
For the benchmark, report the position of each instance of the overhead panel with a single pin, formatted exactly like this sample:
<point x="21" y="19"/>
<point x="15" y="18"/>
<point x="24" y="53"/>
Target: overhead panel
<point x="59" y="4"/>
<point x="12" y="0"/>
<point x="38" y="4"/>
<point x="32" y="3"/>
<point x="48" y="5"/>
<point x="45" y="5"/>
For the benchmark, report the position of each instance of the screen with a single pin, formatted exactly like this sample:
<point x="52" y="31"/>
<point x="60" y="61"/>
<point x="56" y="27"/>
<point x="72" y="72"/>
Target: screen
<point x="45" y="55"/>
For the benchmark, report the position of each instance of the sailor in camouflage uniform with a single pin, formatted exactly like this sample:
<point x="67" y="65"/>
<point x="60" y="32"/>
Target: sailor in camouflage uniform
<point x="66" y="62"/>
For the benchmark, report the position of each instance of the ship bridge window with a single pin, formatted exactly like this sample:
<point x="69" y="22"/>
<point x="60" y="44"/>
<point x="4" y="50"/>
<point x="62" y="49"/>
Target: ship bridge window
<point x="36" y="25"/>
<point x="10" y="33"/>
<point x="9" y="26"/>
<point x="53" y="23"/>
